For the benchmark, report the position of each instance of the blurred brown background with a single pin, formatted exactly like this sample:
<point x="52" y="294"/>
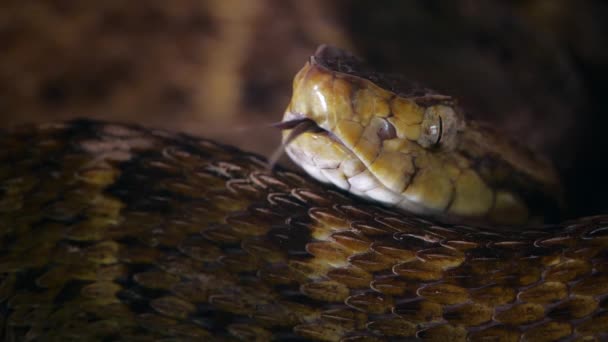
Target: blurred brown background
<point x="223" y="68"/>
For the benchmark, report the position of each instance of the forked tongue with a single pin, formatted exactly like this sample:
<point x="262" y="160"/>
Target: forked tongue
<point x="298" y="127"/>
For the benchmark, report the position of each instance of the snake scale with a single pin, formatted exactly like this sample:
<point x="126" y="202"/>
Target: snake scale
<point x="117" y="232"/>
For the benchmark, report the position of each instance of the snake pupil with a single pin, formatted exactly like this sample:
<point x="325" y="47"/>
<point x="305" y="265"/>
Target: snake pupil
<point x="440" y="133"/>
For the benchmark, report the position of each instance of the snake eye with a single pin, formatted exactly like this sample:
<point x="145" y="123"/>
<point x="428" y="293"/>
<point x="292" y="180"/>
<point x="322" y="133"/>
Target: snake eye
<point x="438" y="126"/>
<point x="431" y="129"/>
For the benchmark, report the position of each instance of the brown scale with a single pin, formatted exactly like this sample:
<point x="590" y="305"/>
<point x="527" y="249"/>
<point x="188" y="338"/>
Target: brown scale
<point x="115" y="232"/>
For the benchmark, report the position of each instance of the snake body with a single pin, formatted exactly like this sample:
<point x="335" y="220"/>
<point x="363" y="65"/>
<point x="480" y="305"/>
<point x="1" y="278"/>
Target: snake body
<point x="117" y="232"/>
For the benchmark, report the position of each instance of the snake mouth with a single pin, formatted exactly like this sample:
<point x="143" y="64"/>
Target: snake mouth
<point x="302" y="122"/>
<point x="299" y="125"/>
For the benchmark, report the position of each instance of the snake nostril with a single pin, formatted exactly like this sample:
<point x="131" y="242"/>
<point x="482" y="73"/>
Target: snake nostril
<point x="387" y="131"/>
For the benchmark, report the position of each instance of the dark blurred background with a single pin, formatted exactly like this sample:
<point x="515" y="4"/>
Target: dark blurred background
<point x="223" y="68"/>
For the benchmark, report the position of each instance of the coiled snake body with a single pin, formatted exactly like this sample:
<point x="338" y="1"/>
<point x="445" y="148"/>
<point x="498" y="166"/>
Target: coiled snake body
<point x="117" y="232"/>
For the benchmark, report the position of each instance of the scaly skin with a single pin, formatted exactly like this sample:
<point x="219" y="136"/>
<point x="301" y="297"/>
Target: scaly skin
<point x="114" y="232"/>
<point x="388" y="140"/>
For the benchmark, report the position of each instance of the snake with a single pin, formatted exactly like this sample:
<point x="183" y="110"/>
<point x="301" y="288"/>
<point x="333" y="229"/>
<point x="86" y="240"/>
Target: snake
<point x="411" y="223"/>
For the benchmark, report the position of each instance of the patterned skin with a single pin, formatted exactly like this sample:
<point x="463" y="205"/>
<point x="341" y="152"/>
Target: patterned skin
<point x="386" y="139"/>
<point x="111" y="232"/>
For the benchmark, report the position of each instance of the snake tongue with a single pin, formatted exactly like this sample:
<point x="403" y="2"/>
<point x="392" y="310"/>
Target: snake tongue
<point x="298" y="126"/>
<point x="299" y="122"/>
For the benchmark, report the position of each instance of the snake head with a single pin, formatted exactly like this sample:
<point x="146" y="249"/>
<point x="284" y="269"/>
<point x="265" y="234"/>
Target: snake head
<point x="335" y="87"/>
<point x="384" y="138"/>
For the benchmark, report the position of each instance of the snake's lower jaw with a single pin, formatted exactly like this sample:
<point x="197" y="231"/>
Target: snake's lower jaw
<point x="328" y="160"/>
<point x="319" y="155"/>
<point x="426" y="190"/>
